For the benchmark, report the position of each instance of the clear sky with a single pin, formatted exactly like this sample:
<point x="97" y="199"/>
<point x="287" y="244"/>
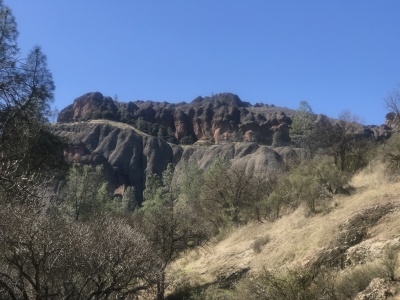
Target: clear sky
<point x="335" y="54"/>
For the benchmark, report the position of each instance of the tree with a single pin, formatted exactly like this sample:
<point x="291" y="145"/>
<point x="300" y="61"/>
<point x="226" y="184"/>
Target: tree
<point x="392" y="101"/>
<point x="46" y="257"/>
<point x="129" y="201"/>
<point x="391" y="156"/>
<point x="27" y="148"/>
<point x="85" y="192"/>
<point x="342" y="139"/>
<point x="110" y="260"/>
<point x="301" y="123"/>
<point x="191" y="182"/>
<point x="230" y="194"/>
<point x="30" y="249"/>
<point x="310" y="182"/>
<point x="8" y="38"/>
<point x="171" y="228"/>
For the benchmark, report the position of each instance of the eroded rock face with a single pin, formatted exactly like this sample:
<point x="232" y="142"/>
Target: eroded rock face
<point x="352" y="234"/>
<point x="218" y="119"/>
<point x="253" y="158"/>
<point x="128" y="157"/>
<point x="392" y="120"/>
<point x="369" y="251"/>
<point x="89" y="106"/>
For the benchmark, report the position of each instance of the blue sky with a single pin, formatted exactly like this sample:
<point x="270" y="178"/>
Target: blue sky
<point x="335" y="54"/>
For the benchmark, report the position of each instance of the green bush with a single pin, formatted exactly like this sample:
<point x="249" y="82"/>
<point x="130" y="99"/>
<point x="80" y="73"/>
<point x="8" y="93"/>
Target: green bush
<point x="311" y="182"/>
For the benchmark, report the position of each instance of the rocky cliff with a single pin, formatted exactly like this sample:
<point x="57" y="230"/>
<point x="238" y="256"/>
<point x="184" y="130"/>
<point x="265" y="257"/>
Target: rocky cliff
<point x="129" y="155"/>
<point x="216" y="119"/>
<point x="137" y="138"/>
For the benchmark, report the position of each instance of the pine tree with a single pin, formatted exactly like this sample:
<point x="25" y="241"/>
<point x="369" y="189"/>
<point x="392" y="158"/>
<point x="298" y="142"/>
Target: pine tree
<point x="27" y="147"/>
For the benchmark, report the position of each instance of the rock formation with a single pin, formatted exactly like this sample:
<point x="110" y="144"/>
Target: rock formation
<point x="218" y="119"/>
<point x="129" y="156"/>
<point x="137" y="138"/>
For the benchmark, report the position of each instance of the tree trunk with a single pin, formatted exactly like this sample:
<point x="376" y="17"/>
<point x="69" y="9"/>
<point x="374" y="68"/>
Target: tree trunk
<point x="161" y="286"/>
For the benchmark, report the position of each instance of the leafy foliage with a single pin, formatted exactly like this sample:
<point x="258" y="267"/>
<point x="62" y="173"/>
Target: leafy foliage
<point x="27" y="147"/>
<point x="310" y="183"/>
<point x="76" y="247"/>
<point x="170" y="227"/>
<point x="85" y="192"/>
<point x="302" y="123"/>
<point x="231" y="196"/>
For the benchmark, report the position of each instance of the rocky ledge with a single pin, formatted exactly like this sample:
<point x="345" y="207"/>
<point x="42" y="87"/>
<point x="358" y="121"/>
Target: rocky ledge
<point x="217" y="119"/>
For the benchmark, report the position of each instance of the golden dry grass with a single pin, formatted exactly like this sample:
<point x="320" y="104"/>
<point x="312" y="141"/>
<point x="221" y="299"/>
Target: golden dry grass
<point x="295" y="239"/>
<point x="118" y="124"/>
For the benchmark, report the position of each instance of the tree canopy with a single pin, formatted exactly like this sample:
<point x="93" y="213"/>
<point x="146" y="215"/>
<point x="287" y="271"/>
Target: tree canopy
<point x="26" y="92"/>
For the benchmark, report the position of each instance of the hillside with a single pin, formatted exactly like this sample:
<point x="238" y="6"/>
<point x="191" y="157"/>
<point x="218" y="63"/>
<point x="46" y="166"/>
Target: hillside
<point x="211" y="199"/>
<point x="135" y="139"/>
<point x="322" y="202"/>
<point x="355" y="231"/>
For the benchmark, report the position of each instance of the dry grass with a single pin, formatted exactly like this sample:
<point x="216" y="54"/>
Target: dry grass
<point x="295" y="239"/>
<point x="118" y="124"/>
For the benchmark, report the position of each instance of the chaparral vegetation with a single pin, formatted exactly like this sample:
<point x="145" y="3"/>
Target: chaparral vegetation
<point x="232" y="204"/>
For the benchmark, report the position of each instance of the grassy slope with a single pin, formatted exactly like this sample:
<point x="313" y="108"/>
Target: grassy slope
<point x="296" y="239"/>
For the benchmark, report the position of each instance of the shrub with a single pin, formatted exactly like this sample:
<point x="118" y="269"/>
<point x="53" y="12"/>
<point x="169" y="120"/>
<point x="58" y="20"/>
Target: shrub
<point x="391" y="157"/>
<point x="390" y="262"/>
<point x="260" y="242"/>
<point x="310" y="182"/>
<point x="211" y="293"/>
<point x="350" y="283"/>
<point x="295" y="284"/>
